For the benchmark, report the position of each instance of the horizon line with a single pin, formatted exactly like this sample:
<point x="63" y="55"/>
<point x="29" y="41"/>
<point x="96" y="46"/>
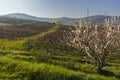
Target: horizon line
<point x="58" y="17"/>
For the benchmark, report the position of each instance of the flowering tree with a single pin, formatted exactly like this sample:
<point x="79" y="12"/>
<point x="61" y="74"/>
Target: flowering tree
<point x="98" y="40"/>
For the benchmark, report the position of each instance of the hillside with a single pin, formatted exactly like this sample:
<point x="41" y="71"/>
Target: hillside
<point x="12" y="28"/>
<point x="70" y="58"/>
<point x="38" y="54"/>
<point x="98" y="18"/>
<point x="34" y="18"/>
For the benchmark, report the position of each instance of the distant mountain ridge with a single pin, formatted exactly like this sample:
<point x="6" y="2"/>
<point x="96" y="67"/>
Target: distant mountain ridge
<point x="34" y="18"/>
<point x="99" y="18"/>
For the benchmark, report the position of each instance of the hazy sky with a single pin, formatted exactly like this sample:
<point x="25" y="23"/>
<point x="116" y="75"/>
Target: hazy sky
<point x="60" y="8"/>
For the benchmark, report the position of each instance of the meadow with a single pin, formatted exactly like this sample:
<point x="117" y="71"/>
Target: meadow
<point x="31" y="58"/>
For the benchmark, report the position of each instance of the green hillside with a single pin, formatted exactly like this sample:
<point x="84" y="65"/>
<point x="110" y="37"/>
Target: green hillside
<point x="51" y="62"/>
<point x="40" y="56"/>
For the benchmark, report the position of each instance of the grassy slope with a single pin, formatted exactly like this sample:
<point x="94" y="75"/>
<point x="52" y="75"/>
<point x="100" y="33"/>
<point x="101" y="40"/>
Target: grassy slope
<point x="23" y="66"/>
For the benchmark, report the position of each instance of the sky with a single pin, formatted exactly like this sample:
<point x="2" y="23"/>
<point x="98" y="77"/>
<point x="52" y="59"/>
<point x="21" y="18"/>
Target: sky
<point x="60" y="8"/>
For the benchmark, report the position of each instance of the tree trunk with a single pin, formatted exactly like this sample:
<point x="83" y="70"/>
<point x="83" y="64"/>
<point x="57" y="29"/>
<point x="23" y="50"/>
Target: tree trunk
<point x="99" y="69"/>
<point x="98" y="66"/>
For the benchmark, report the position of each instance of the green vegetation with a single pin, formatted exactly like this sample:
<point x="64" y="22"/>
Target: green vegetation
<point x="58" y="22"/>
<point x="26" y="66"/>
<point x="22" y="70"/>
<point x="51" y="47"/>
<point x="49" y="60"/>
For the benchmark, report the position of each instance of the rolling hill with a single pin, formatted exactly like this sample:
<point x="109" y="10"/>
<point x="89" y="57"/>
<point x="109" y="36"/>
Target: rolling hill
<point x="34" y="18"/>
<point x="99" y="18"/>
<point x="13" y="28"/>
<point x="30" y="51"/>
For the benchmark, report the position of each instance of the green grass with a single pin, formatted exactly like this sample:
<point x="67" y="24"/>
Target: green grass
<point x="22" y="70"/>
<point x="25" y="66"/>
<point x="47" y="61"/>
<point x="51" y="47"/>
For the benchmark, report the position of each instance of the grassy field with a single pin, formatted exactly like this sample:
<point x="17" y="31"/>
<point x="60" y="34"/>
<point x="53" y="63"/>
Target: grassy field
<point x="44" y="60"/>
<point x="59" y="64"/>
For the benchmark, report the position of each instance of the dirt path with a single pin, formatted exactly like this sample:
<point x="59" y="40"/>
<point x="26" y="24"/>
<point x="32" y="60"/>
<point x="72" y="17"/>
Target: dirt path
<point x="17" y="51"/>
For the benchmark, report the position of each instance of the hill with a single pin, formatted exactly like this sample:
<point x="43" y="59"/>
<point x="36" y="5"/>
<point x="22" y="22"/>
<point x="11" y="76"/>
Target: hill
<point x="13" y="28"/>
<point x="99" y="18"/>
<point x="40" y="55"/>
<point x="30" y="17"/>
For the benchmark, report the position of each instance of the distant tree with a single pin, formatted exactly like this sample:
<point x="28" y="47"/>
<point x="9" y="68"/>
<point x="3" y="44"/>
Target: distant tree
<point x="98" y="44"/>
<point x="57" y="23"/>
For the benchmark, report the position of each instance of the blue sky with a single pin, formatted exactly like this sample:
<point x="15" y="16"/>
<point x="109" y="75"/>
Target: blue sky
<point x="60" y="8"/>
